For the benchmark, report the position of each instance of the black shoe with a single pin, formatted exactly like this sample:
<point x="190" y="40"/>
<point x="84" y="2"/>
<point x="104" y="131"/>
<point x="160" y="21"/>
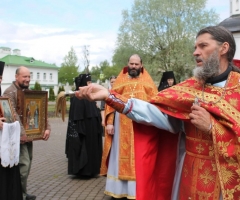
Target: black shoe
<point x="30" y="197"/>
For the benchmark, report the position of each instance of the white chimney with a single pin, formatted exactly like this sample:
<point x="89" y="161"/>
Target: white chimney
<point x="234" y="7"/>
<point x="16" y="52"/>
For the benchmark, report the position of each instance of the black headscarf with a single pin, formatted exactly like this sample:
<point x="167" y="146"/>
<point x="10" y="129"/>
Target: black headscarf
<point x="82" y="80"/>
<point x="88" y="109"/>
<point x="163" y="83"/>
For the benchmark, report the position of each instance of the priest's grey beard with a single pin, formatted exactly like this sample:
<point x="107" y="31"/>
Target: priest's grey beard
<point x="209" y="69"/>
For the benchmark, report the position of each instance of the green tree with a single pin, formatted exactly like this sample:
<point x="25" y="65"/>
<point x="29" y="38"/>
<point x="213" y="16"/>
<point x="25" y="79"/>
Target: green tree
<point x="106" y="69"/>
<point x="37" y="86"/>
<point x="60" y="88"/>
<point x="69" y="68"/>
<point x="163" y="33"/>
<point x="111" y="71"/>
<point x="51" y="94"/>
<point x="95" y="72"/>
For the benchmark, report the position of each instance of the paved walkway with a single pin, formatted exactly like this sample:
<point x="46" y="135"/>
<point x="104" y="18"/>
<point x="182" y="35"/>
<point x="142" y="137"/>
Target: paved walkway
<point x="48" y="177"/>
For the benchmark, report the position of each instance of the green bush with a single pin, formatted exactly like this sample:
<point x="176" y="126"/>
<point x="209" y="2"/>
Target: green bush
<point x="37" y="86"/>
<point x="61" y="88"/>
<point x="51" y="95"/>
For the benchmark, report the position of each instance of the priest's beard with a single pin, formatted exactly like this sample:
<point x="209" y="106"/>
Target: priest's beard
<point x="134" y="72"/>
<point x="209" y="69"/>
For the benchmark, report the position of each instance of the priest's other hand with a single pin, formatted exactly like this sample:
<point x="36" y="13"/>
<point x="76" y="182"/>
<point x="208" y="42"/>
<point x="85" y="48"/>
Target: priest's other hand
<point x="200" y="118"/>
<point x="93" y="92"/>
<point x="110" y="129"/>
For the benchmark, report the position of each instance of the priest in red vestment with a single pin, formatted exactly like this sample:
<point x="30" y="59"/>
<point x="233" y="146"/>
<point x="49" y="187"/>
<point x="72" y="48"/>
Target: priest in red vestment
<point x="118" y="159"/>
<point x="208" y="107"/>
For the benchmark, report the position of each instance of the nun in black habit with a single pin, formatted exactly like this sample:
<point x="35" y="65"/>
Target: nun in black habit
<point x="84" y="134"/>
<point x="167" y="80"/>
<point x="10" y="182"/>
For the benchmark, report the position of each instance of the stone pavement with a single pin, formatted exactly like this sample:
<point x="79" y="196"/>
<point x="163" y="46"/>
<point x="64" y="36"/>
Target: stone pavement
<point x="48" y="178"/>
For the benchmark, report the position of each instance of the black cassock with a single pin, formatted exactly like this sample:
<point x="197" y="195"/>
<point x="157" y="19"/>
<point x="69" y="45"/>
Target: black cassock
<point x="10" y="183"/>
<point x="84" y="138"/>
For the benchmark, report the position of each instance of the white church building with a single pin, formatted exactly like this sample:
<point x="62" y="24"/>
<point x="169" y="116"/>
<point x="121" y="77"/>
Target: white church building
<point x="43" y="73"/>
<point x="233" y="24"/>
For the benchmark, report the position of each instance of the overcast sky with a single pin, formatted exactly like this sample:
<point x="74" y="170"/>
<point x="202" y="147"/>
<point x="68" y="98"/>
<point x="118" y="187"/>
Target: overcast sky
<point x="46" y="29"/>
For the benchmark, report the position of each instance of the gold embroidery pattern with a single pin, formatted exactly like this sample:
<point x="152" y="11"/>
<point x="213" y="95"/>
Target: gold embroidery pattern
<point x="211" y="151"/>
<point x="229" y="194"/>
<point x="199" y="148"/>
<point x="214" y="167"/>
<point x="219" y="132"/>
<point x="185" y="171"/>
<point x="222" y="148"/>
<point x="206" y="178"/>
<point x="203" y="195"/>
<point x="234" y="102"/>
<point x="228" y="175"/>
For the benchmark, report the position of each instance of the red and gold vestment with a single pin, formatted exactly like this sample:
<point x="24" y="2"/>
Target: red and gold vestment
<point x="212" y="159"/>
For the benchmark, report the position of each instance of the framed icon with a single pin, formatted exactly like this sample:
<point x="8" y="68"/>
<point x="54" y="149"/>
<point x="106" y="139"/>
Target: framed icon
<point x="32" y="109"/>
<point x="6" y="110"/>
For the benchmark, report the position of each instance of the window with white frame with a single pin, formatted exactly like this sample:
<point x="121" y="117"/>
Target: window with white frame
<point x="31" y="75"/>
<point x="44" y="76"/>
<point x="38" y="76"/>
<point x="50" y="76"/>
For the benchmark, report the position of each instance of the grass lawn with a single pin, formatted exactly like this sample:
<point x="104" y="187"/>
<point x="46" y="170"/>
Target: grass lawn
<point x="51" y="106"/>
<point x="51" y="109"/>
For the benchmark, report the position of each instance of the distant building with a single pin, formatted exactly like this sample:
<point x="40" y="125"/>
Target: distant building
<point x="45" y="74"/>
<point x="233" y="24"/>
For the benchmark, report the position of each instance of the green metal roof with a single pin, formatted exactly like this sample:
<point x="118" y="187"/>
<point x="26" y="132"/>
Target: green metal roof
<point x="25" y="61"/>
<point x="5" y="48"/>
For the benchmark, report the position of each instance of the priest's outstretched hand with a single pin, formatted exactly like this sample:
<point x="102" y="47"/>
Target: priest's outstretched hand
<point x="93" y="92"/>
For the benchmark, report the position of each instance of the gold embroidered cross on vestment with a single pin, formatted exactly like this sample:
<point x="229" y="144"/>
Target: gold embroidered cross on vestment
<point x="132" y="90"/>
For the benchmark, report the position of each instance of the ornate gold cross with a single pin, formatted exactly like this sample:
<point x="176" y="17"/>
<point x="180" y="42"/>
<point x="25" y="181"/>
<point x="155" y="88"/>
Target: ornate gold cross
<point x="132" y="89"/>
<point x="200" y="148"/>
